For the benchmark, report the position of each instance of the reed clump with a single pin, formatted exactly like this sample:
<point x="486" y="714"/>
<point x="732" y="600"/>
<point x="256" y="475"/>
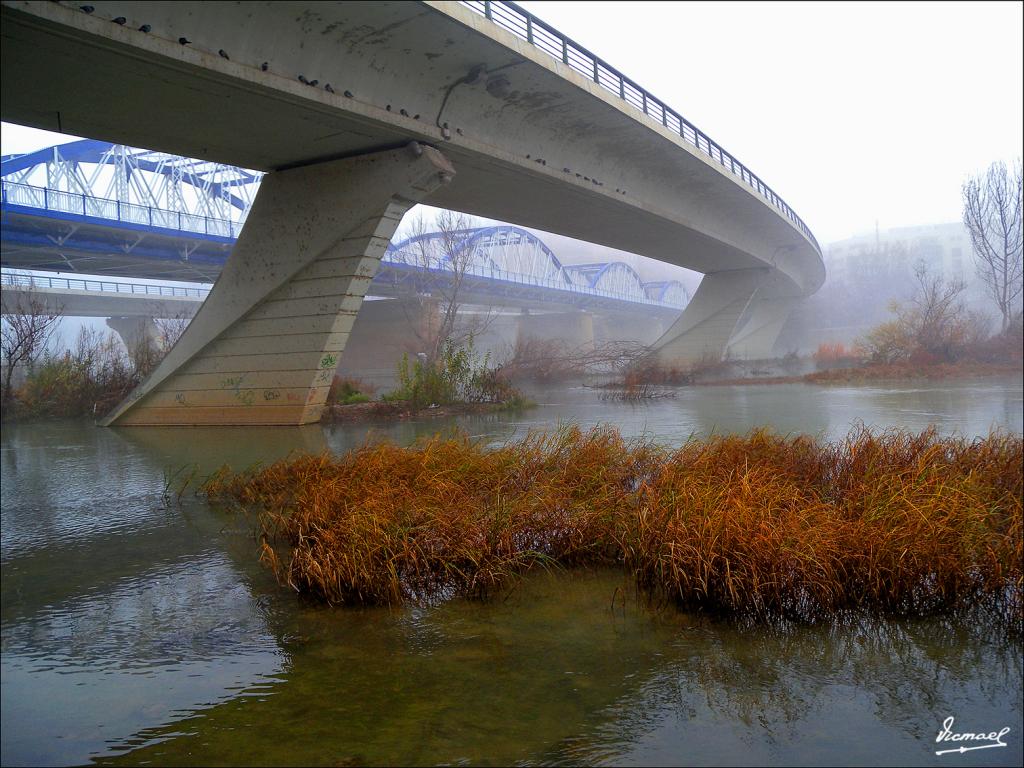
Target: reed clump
<point x="895" y="522"/>
<point x="384" y="524"/>
<point x="760" y="525"/>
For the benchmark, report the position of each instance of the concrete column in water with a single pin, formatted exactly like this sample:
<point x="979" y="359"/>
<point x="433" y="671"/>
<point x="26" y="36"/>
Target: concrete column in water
<point x="383" y="332"/>
<point x="135" y="331"/>
<point x="640" y="327"/>
<point x="264" y="346"/>
<point x="755" y="339"/>
<point x="703" y="330"/>
<point x="575" y="328"/>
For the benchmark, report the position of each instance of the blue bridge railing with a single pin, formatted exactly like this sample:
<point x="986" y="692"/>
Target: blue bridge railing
<point x="75" y="204"/>
<point x="57" y="201"/>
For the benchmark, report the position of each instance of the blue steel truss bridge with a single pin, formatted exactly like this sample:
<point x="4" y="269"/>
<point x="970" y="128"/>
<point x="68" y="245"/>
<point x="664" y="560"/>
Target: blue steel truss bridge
<point x="98" y="208"/>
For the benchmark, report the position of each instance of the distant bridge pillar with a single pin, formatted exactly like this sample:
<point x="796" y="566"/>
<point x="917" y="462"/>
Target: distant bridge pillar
<point x="755" y="339"/>
<point x="703" y="330"/>
<point x="135" y="331"/>
<point x="574" y="328"/>
<point x="383" y="332"/>
<point x="264" y="346"/>
<point x="640" y="327"/>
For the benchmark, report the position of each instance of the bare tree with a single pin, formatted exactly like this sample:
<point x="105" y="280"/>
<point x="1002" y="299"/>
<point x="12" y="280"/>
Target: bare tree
<point x="557" y="360"/>
<point x="992" y="215"/>
<point x="27" y="327"/>
<point x="170" y="329"/>
<point x="937" y="312"/>
<point x="933" y="324"/>
<point x="445" y="265"/>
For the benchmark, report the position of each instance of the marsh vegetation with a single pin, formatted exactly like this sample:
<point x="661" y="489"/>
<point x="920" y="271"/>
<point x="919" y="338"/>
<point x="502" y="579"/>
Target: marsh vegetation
<point x="760" y="525"/>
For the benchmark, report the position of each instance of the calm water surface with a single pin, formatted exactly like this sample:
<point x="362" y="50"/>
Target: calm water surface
<point x="139" y="628"/>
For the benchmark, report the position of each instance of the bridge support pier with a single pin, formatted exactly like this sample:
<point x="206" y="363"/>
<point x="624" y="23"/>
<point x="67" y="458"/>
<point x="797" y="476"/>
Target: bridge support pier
<point x="755" y="339"/>
<point x="703" y="330"/>
<point x="574" y="328"/>
<point x="640" y="327"/>
<point x="135" y="331"/>
<point x="264" y="346"/>
<point x="383" y="332"/>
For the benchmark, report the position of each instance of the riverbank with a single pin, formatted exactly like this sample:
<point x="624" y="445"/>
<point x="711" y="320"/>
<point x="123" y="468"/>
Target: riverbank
<point x="864" y="374"/>
<point x="908" y="372"/>
<point x="380" y="410"/>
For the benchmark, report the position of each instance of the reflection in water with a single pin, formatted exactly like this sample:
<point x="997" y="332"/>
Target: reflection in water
<point x="139" y="653"/>
<point x="556" y="674"/>
<point x="859" y="692"/>
<point x="139" y="628"/>
<point x="966" y="408"/>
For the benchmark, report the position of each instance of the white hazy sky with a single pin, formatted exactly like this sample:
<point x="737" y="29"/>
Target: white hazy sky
<point x="853" y="112"/>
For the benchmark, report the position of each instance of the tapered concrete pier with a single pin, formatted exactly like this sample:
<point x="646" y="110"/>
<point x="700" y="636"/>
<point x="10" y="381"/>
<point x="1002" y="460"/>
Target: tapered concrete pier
<point x="264" y="346"/>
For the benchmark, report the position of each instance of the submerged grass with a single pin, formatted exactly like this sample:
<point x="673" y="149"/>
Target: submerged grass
<point x="760" y="525"/>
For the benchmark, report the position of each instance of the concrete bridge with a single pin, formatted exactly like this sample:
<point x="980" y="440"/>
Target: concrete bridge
<point x="476" y="107"/>
<point x="90" y="297"/>
<point x="131" y="309"/>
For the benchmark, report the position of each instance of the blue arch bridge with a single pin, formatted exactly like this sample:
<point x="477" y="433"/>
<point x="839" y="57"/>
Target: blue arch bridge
<point x="107" y="209"/>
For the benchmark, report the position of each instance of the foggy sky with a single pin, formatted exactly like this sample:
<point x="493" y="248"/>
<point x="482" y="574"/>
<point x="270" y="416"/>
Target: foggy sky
<point x="852" y="112"/>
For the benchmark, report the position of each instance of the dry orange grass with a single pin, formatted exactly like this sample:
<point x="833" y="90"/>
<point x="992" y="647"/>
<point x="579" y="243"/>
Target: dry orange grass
<point x="759" y="525"/>
<point x="383" y="524"/>
<point x="900" y="523"/>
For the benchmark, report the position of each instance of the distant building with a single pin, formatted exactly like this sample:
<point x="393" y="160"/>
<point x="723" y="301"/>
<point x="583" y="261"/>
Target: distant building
<point x="867" y="272"/>
<point x="945" y="248"/>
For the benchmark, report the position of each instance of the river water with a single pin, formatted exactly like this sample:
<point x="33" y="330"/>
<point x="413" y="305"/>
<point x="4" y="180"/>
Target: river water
<point x="140" y="628"/>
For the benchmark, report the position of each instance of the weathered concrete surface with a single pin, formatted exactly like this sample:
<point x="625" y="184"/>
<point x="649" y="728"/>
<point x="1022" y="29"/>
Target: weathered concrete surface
<point x="755" y="338"/>
<point x="264" y="346"/>
<point x="552" y="150"/>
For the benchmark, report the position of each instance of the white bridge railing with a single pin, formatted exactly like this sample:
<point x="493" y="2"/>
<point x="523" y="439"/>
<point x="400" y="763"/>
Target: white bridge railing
<point x="36" y="282"/>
